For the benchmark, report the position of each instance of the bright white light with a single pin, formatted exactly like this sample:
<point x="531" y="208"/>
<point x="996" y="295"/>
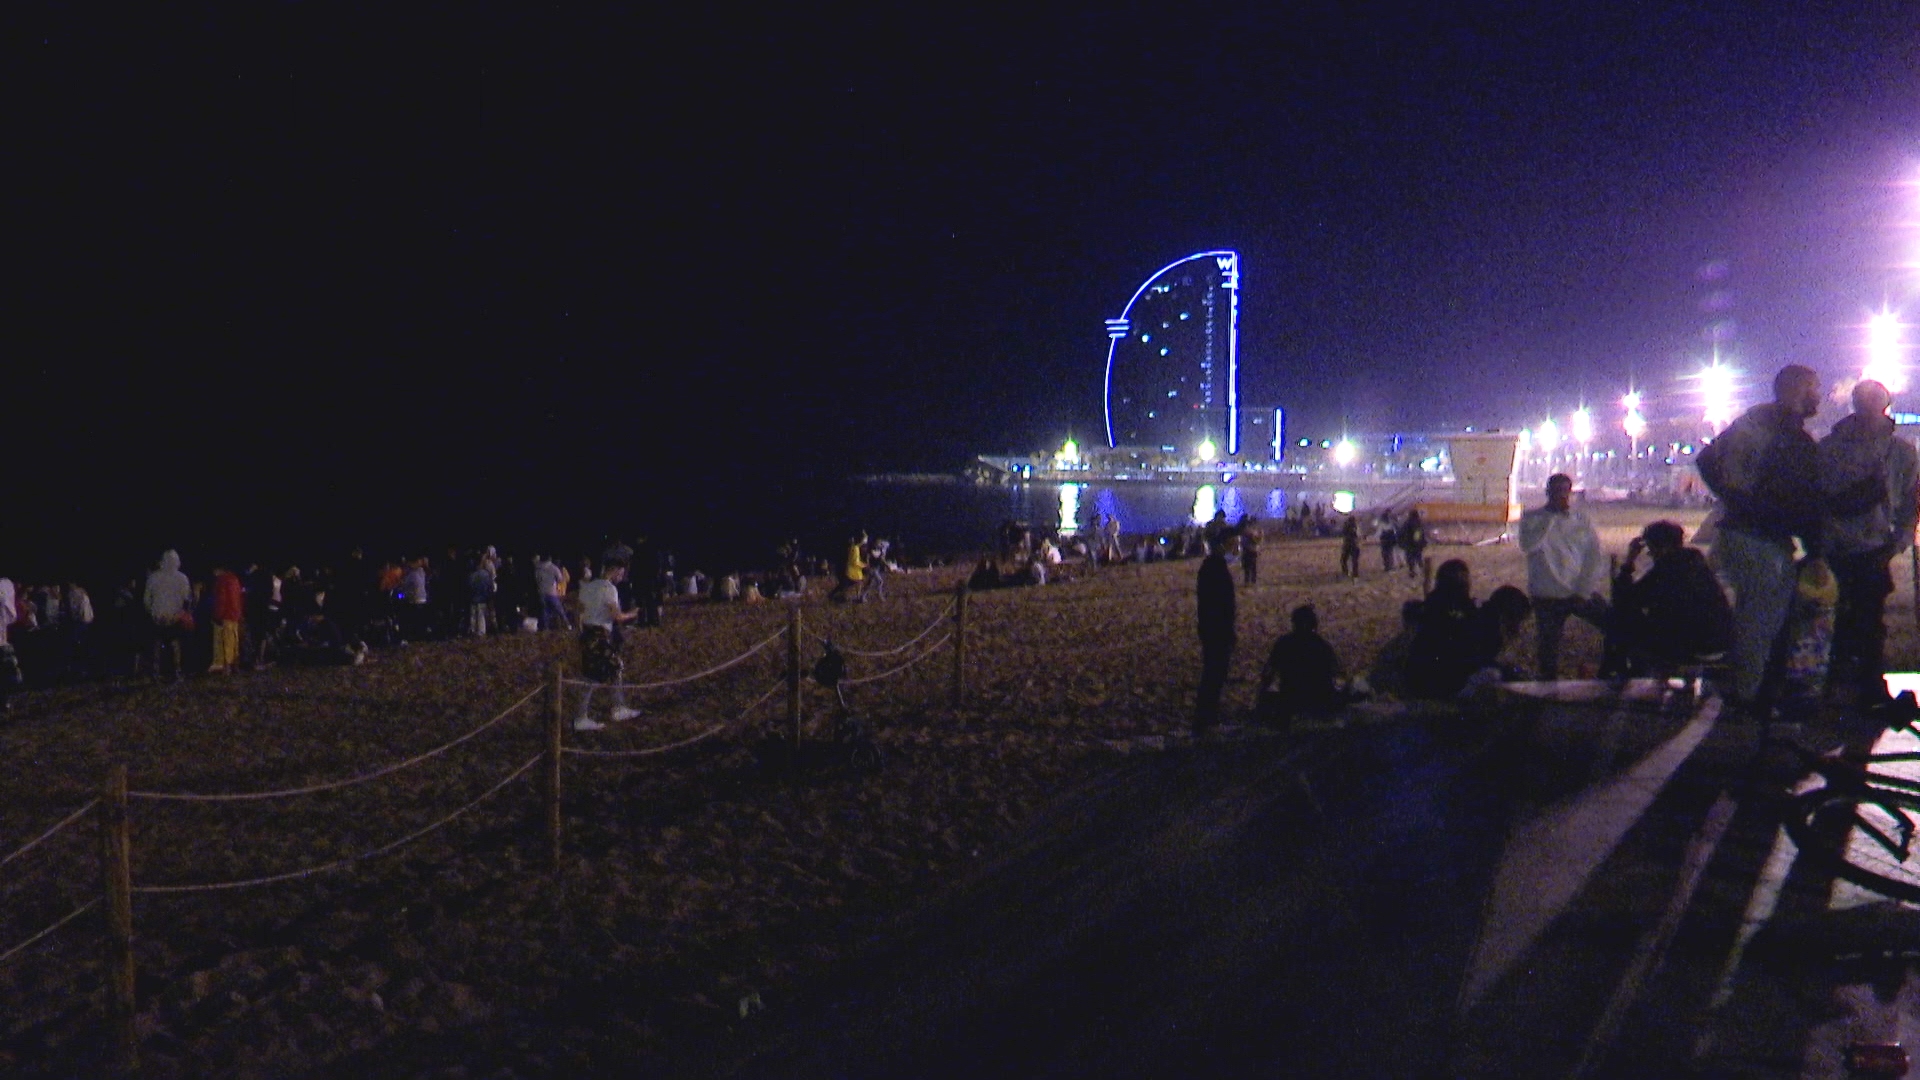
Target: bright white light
<point x="1635" y="425"/>
<point x="1548" y="437"/>
<point x="1069" y="453"/>
<point x="1886" y="351"/>
<point x="1206" y="450"/>
<point x="1716" y="395"/>
<point x="1344" y="453"/>
<point x="1630" y="401"/>
<point x="1070" y="508"/>
<point x="1581" y="425"/>
<point x="1343" y="502"/>
<point x="1204" y="505"/>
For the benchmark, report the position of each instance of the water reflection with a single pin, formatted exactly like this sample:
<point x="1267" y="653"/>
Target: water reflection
<point x="1203" y="505"/>
<point x="1276" y="503"/>
<point x="1233" y="504"/>
<point x="1070" y="509"/>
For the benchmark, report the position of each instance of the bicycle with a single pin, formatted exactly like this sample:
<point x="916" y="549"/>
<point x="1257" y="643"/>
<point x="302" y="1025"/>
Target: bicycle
<point x="1855" y="798"/>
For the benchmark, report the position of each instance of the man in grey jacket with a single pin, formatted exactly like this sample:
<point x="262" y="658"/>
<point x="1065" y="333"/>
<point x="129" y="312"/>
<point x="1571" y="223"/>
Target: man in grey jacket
<point x="1765" y="469"/>
<point x="1863" y="449"/>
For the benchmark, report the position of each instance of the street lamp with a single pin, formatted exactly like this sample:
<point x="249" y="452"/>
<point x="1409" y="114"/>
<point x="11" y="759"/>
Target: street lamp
<point x="1716" y="395"/>
<point x="1886" y="351"/>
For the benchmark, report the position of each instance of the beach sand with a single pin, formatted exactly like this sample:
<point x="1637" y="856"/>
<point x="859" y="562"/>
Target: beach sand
<point x="694" y="890"/>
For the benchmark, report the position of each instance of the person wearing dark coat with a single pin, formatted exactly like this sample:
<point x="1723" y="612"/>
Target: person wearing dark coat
<point x="1215" y="593"/>
<point x="1675" y="613"/>
<point x="1303" y="671"/>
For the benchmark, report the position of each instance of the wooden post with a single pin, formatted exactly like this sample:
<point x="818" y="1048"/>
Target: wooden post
<point x="959" y="692"/>
<point x="116" y="870"/>
<point x="793" y="675"/>
<point x="550" y="763"/>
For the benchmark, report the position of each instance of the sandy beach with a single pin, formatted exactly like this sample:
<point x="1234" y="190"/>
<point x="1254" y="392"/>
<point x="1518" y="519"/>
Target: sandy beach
<point x="695" y="890"/>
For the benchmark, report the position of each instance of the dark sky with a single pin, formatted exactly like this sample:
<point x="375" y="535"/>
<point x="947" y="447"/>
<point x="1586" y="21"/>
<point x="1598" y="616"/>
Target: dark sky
<point x="306" y="254"/>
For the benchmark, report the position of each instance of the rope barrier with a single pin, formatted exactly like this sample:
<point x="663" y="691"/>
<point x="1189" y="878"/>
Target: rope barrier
<point x="742" y="658"/>
<point x="72" y="915"/>
<point x="888" y="674"/>
<point x="349" y="860"/>
<point x="166" y="796"/>
<point x="896" y="650"/>
<point x="64" y="822"/>
<point x="707" y="734"/>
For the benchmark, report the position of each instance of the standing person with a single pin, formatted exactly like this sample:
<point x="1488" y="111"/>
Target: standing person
<point x="416" y="621"/>
<point x="168" y="598"/>
<point x="1249" y="554"/>
<point x="600" y="660"/>
<point x="1389" y="539"/>
<point x="546" y="582"/>
<point x="876" y="570"/>
<point x="1863" y="456"/>
<point x="1566" y="570"/>
<point x="1110" y="539"/>
<point x="480" y="589"/>
<point x="1214" y="591"/>
<point x="1765" y="469"/>
<point x="853" y="572"/>
<point x="1413" y="542"/>
<point x="1350" y="548"/>
<point x="229" y="610"/>
<point x="263" y="612"/>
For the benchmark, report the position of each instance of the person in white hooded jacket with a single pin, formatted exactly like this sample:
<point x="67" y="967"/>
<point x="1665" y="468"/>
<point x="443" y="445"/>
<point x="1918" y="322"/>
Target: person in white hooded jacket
<point x="169" y="602"/>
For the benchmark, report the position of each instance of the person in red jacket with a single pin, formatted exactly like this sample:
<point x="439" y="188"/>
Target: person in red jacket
<point x="229" y="608"/>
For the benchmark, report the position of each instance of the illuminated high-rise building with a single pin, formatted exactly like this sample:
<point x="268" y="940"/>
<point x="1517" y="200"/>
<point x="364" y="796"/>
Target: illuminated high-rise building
<point x="1173" y="359"/>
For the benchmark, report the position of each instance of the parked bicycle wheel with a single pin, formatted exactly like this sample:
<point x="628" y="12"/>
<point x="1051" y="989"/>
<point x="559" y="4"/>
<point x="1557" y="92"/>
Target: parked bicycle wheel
<point x="1825" y="822"/>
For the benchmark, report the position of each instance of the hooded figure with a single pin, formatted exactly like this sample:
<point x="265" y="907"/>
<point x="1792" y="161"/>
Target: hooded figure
<point x="168" y="594"/>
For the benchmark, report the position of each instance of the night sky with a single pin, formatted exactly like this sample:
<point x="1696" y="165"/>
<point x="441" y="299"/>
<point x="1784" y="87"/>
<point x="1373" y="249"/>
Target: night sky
<point x="299" y="260"/>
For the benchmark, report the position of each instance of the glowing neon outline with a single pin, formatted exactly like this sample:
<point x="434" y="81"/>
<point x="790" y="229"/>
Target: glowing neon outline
<point x="1232" y="285"/>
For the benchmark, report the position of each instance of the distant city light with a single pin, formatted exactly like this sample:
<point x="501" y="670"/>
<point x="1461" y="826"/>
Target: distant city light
<point x="1630" y="401"/>
<point x="1069" y="453"/>
<point x="1886" y="351"/>
<point x="1717" y="395"/>
<point x="1581" y="425"/>
<point x="1344" y="453"/>
<point x="1548" y="436"/>
<point x="1634" y="425"/>
<point x="1206" y="451"/>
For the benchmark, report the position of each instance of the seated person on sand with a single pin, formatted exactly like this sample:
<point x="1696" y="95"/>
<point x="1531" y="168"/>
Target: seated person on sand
<point x="1458" y="644"/>
<point x="985" y="576"/>
<point x="1303" y="672"/>
<point x="318" y="642"/>
<point x="1388" y="675"/>
<point x="1674" y="614"/>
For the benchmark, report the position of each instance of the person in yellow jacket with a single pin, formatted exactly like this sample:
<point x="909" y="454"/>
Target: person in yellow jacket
<point x="854" y="573"/>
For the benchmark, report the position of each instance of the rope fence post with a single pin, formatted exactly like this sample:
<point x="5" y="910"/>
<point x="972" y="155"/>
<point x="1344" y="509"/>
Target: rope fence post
<point x="793" y="674"/>
<point x="550" y="764"/>
<point x="959" y="644"/>
<point x="116" y="870"/>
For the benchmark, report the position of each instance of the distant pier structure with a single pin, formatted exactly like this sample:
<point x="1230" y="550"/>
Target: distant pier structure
<point x="1173" y="364"/>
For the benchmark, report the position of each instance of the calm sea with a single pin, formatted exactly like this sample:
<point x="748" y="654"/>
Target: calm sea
<point x="733" y="523"/>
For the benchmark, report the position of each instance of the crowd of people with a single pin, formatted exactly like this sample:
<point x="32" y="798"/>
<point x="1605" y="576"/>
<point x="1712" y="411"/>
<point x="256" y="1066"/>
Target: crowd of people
<point x="1799" y="523"/>
<point x="225" y="618"/>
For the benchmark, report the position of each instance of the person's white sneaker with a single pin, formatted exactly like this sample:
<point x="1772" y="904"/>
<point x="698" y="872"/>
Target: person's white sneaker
<point x="584" y="724"/>
<point x="624" y="713"/>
